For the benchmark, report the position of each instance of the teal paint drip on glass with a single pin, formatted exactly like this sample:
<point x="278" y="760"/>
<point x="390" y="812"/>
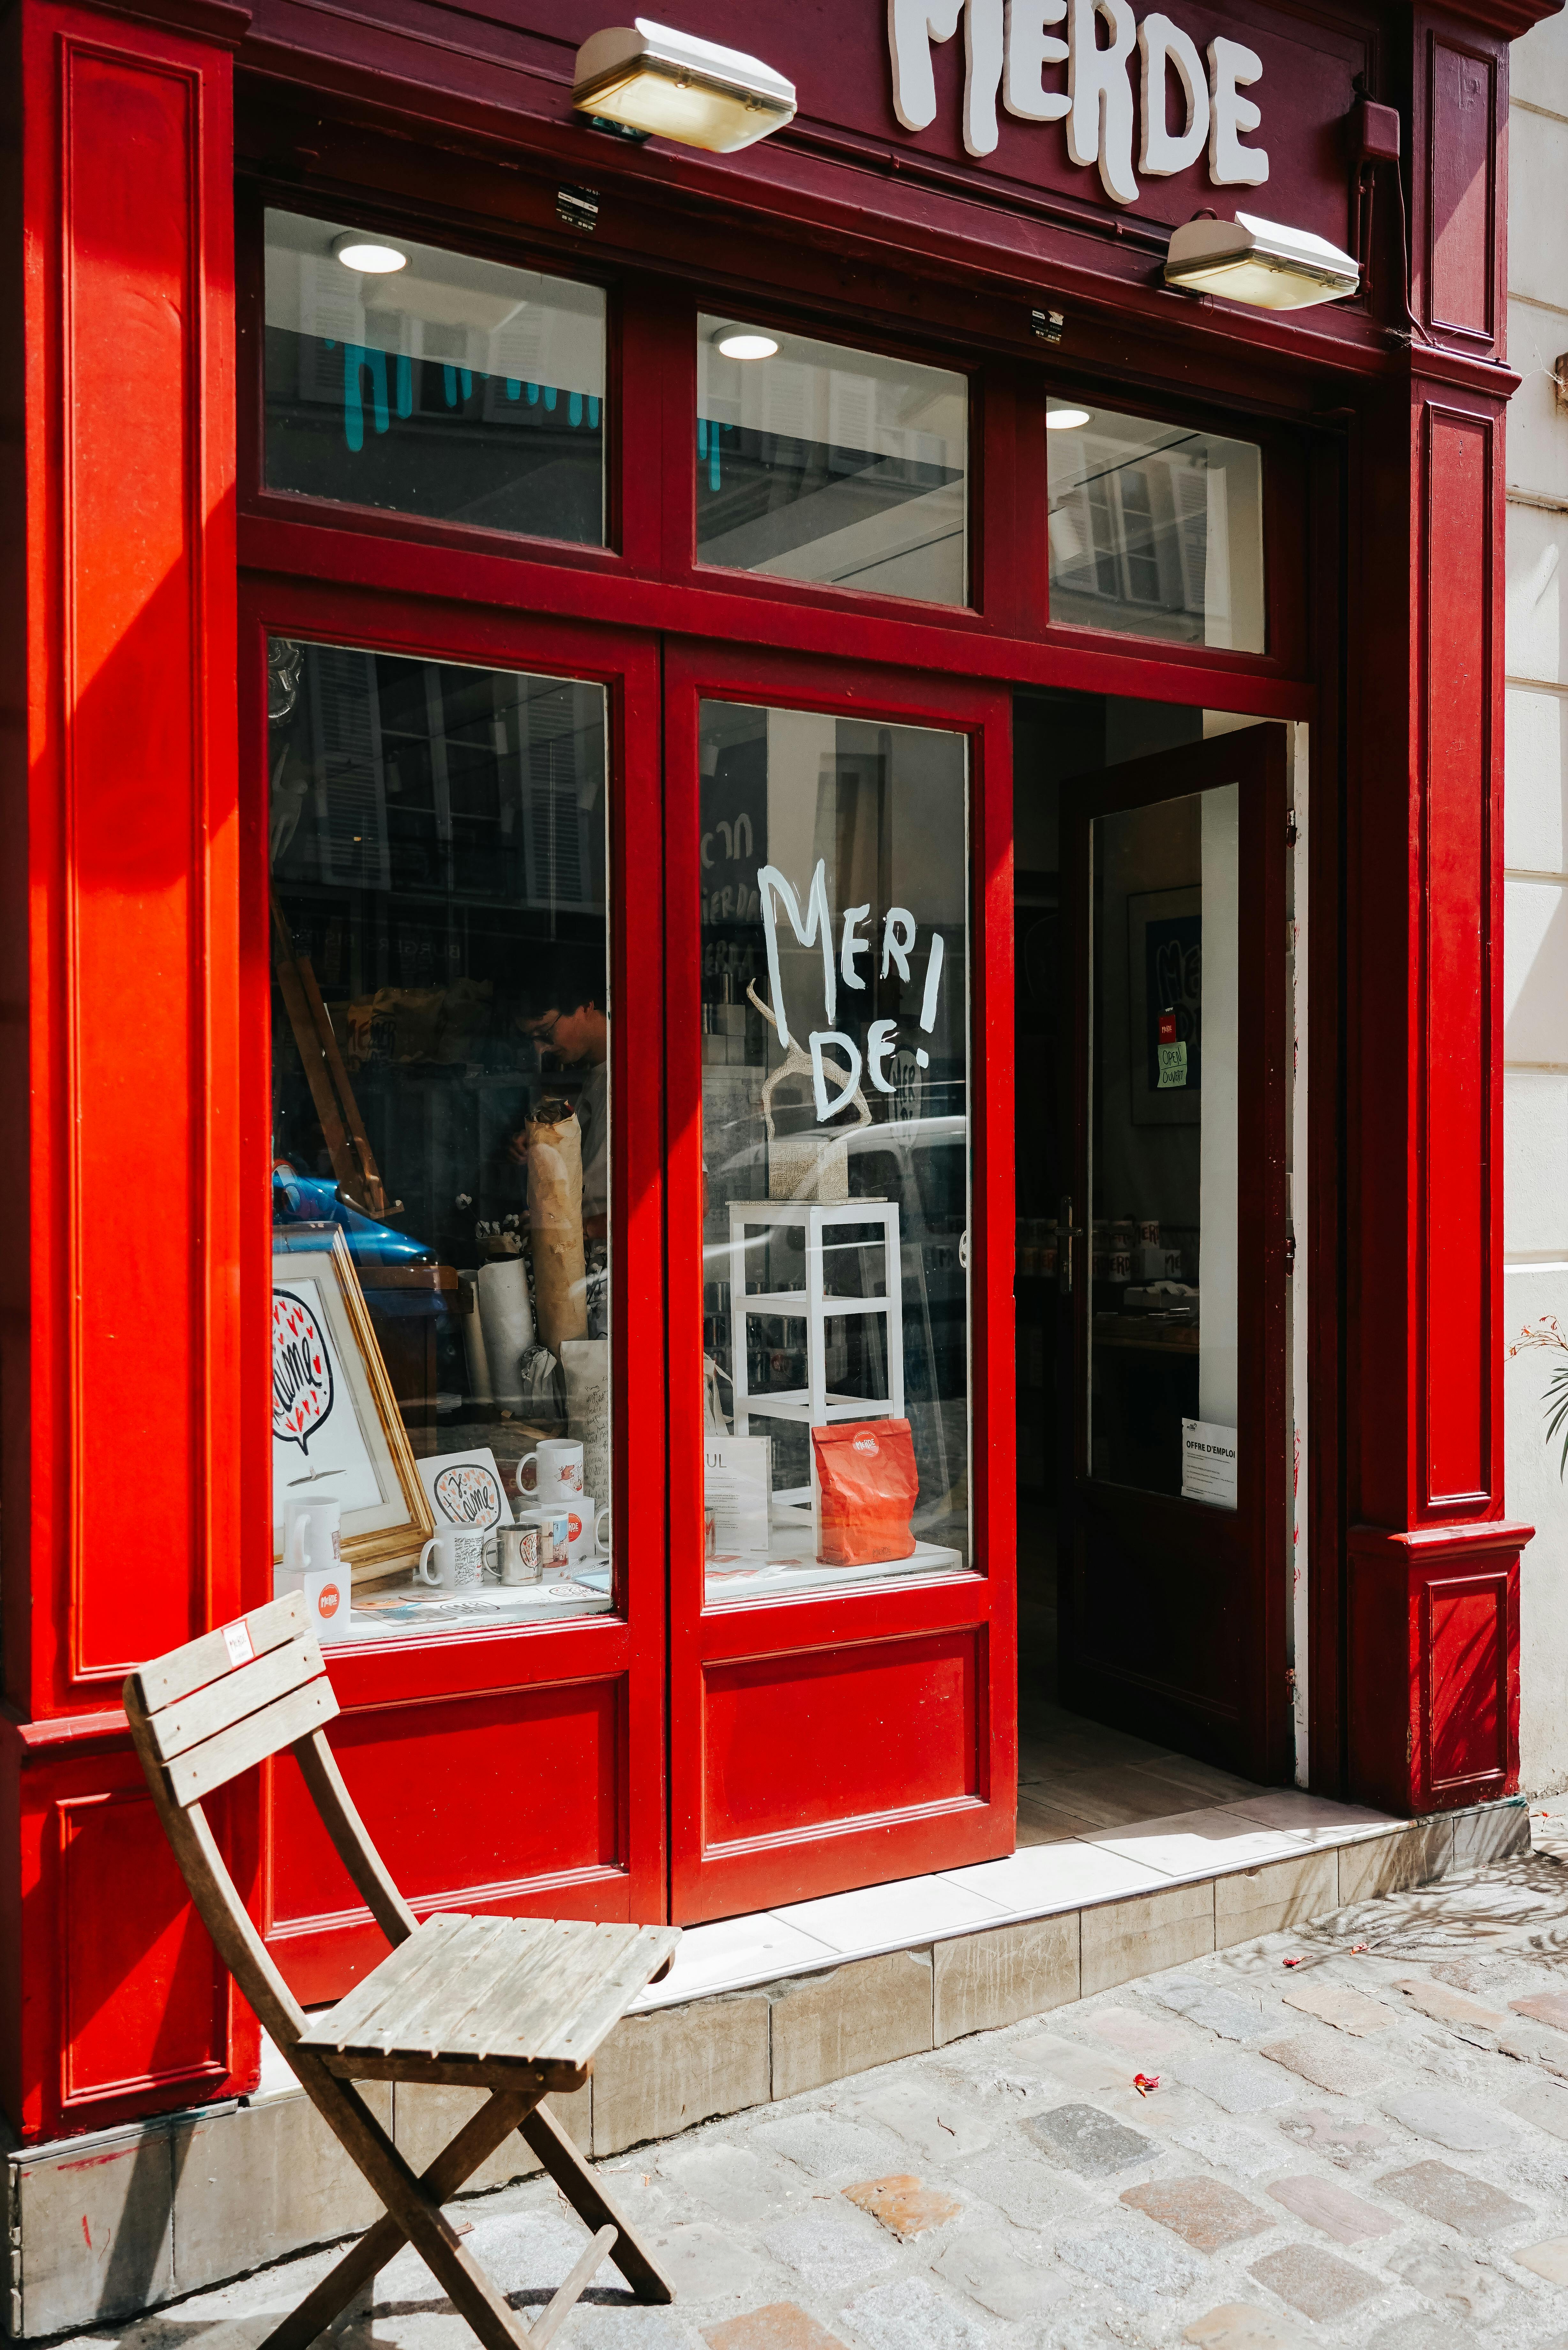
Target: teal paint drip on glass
<point x="466" y="378"/>
<point x="708" y="446"/>
<point x="357" y="359"/>
<point x="701" y="436"/>
<point x="551" y="397"/>
<point x="575" y="409"/>
<point x="405" y="385"/>
<point x="448" y="385"/>
<point x="533" y="392"/>
<point x="593" y="413"/>
<point x="514" y="387"/>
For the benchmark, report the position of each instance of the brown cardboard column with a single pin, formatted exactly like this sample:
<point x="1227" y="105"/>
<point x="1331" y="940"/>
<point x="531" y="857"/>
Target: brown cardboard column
<point x="1432" y="1700"/>
<point x="120" y="974"/>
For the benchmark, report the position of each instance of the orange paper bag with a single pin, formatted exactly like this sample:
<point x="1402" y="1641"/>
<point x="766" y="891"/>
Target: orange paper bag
<point x="868" y="1486"/>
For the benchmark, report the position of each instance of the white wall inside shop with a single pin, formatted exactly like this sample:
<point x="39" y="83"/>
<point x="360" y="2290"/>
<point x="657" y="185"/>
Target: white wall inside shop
<point x="1535" y="1043"/>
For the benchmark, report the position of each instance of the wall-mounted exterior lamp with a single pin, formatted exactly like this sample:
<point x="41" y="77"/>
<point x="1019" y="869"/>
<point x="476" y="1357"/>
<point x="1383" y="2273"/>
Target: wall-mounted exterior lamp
<point x="644" y="77"/>
<point x="1258" y="261"/>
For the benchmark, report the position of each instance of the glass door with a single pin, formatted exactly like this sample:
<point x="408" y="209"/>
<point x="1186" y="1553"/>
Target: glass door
<point x="840" y="1594"/>
<point x="1174" y="1552"/>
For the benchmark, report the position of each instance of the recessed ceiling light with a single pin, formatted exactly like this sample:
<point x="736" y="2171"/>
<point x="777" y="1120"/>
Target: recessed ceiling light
<point x="745" y="343"/>
<point x="652" y="78"/>
<point x="1066" y="419"/>
<point x="368" y="255"/>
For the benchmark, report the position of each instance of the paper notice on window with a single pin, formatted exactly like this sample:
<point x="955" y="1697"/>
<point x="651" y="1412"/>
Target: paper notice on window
<point x="1209" y="1463"/>
<point x="737" y="1485"/>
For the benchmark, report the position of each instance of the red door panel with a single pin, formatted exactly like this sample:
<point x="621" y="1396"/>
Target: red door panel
<point x="838" y="1739"/>
<point x="494" y="1768"/>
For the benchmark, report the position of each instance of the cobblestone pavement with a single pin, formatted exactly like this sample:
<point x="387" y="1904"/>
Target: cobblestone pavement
<point x="1359" y="2135"/>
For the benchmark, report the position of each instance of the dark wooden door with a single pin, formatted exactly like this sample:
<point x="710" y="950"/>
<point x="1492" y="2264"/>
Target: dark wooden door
<point x="1174" y="1558"/>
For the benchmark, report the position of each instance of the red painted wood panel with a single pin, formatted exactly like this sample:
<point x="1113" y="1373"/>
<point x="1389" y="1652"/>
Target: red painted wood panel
<point x="1466" y="1639"/>
<point x="146" y="1998"/>
<point x="473" y="1803"/>
<point x="131" y="832"/>
<point x="794" y="1743"/>
<point x="1455" y="1173"/>
<point x="1461" y="108"/>
<point x="134" y="909"/>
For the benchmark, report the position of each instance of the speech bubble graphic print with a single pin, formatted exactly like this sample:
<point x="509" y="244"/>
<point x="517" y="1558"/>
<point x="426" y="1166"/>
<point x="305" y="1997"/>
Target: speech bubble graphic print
<point x="302" y="1390"/>
<point x="468" y="1495"/>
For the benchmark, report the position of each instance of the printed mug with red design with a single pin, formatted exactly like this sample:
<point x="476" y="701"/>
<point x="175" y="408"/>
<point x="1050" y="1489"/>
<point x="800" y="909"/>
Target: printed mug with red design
<point x="558" y="1467"/>
<point x="584" y="1539"/>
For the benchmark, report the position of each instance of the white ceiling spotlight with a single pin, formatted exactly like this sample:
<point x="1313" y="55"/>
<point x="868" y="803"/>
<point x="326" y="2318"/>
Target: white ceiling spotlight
<point x="370" y="254"/>
<point x="1066" y="419"/>
<point x="1258" y="261"/>
<point x="645" y="77"/>
<point x="745" y="343"/>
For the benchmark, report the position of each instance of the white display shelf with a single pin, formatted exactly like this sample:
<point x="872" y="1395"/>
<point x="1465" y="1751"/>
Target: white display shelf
<point x="792" y="1565"/>
<point x="497" y="1604"/>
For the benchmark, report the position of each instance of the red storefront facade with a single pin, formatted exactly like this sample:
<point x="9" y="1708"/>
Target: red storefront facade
<point x="682" y="1750"/>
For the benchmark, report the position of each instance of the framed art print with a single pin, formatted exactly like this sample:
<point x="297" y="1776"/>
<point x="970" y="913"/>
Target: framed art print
<point x="336" y="1432"/>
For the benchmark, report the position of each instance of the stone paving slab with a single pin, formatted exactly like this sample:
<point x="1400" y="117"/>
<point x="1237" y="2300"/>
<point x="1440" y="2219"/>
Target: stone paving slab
<point x="1365" y="2150"/>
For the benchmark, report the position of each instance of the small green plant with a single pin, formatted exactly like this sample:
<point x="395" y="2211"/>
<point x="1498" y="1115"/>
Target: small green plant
<point x="1547" y="1331"/>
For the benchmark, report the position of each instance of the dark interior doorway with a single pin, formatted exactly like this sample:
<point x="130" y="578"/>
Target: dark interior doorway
<point x="1087" y="1763"/>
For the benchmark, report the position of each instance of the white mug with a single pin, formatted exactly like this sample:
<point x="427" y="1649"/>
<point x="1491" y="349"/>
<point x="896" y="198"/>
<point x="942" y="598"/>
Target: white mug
<point x="459" y="1559"/>
<point x="584" y="1540"/>
<point x="558" y="1471"/>
<point x="312" y="1541"/>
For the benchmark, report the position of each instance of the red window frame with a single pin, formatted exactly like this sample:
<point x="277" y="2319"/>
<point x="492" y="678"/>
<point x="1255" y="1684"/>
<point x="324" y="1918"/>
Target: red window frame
<point x="620" y="1656"/>
<point x="639" y="609"/>
<point x="751" y="1649"/>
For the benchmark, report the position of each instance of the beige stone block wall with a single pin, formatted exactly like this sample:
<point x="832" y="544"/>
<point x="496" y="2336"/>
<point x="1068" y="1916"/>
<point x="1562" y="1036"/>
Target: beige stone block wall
<point x="826" y="2027"/>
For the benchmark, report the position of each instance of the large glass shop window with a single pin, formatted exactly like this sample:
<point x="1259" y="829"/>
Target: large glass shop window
<point x="1155" y="531"/>
<point x="1164" y="1401"/>
<point x="816" y="461"/>
<point x="426" y="382"/>
<point x="835" y="1128"/>
<point x="441" y="1141"/>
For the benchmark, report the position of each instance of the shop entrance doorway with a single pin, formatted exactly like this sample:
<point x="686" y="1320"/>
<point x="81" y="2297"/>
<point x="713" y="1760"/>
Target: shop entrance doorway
<point x="1152" y="1053"/>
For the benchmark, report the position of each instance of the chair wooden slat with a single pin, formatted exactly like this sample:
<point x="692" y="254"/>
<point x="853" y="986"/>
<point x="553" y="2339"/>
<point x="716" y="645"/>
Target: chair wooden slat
<point x="468" y="1969"/>
<point x="167" y="1678"/>
<point x="348" y="2024"/>
<point x="553" y="2006"/>
<point x="353" y="1847"/>
<point x="604" y="2009"/>
<point x="218" y="1760"/>
<point x="221" y="1703"/>
<point x="532" y="2020"/>
<point x="502" y="2023"/>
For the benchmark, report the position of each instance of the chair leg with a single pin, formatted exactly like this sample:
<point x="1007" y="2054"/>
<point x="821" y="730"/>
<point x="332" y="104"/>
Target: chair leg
<point x="587" y="2199"/>
<point x="456" y="2163"/>
<point x="416" y="2212"/>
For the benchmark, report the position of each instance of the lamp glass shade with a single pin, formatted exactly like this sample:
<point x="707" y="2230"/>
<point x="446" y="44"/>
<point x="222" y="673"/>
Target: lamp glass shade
<point x="673" y="86"/>
<point x="1260" y="263"/>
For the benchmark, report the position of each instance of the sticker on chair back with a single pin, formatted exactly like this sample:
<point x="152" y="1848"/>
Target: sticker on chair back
<point x="237" y="1640"/>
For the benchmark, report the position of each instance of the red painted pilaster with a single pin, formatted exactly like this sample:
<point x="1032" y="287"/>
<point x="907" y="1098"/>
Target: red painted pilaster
<point x="1433" y="1608"/>
<point x="119" y="980"/>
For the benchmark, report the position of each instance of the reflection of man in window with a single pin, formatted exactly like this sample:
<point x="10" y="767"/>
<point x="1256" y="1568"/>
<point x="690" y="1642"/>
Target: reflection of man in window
<point x="560" y="1013"/>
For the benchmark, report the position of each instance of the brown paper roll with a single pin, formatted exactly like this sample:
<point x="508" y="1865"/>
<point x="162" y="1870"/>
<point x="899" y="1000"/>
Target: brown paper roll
<point x="556" y="1223"/>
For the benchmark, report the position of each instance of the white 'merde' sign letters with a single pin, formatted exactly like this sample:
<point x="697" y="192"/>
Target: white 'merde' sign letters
<point x="1007" y="51"/>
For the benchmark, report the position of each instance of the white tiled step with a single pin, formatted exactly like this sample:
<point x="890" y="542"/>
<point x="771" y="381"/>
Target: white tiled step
<point x="1101" y="1865"/>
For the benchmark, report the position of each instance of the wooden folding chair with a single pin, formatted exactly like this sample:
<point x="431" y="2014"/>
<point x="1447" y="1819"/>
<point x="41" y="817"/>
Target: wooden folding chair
<point x="513" y="2005"/>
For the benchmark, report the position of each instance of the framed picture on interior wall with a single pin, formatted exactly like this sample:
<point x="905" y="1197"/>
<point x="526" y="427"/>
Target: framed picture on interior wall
<point x="337" y="1434"/>
<point x="465" y="1489"/>
<point x="1165" y="993"/>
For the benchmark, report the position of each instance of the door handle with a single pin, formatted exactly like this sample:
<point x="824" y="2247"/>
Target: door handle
<point x="1067" y="1231"/>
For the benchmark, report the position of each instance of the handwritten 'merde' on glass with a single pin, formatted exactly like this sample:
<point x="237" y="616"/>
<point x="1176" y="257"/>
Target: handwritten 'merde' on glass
<point x="856" y="940"/>
<point x="1009" y="52"/>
